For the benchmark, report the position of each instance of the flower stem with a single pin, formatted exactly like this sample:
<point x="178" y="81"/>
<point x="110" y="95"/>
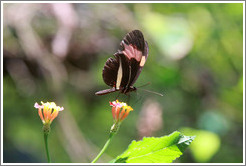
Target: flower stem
<point x="46" y="146"/>
<point x="104" y="147"/>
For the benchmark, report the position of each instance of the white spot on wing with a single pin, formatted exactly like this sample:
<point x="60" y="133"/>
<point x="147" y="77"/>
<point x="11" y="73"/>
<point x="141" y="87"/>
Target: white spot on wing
<point x="119" y="75"/>
<point x="142" y="61"/>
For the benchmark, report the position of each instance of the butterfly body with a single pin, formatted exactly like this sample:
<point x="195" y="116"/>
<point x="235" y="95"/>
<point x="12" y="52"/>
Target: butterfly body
<point x="122" y="71"/>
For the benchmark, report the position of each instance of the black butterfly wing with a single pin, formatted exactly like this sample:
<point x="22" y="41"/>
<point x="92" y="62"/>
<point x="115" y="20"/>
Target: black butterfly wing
<point x="124" y="69"/>
<point x="110" y="71"/>
<point x="135" y="50"/>
<point x="140" y="64"/>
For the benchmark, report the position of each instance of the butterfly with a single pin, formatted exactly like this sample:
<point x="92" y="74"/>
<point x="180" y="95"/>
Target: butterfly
<point x="122" y="71"/>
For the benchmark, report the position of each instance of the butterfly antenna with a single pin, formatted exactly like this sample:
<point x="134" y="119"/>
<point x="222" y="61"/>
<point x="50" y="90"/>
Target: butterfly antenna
<point x="138" y="99"/>
<point x="152" y="92"/>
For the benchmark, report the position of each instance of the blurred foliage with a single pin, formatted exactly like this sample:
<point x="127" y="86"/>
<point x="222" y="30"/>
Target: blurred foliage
<point x="204" y="146"/>
<point x="56" y="52"/>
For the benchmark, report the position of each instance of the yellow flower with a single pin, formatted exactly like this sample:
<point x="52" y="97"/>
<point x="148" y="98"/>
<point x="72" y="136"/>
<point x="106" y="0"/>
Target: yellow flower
<point x="120" y="110"/>
<point x="48" y="111"/>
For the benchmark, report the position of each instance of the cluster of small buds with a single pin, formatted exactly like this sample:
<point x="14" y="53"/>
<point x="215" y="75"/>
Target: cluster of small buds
<point x="48" y="112"/>
<point x="120" y="111"/>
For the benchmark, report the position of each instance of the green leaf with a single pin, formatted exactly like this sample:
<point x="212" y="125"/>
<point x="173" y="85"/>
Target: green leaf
<point x="156" y="150"/>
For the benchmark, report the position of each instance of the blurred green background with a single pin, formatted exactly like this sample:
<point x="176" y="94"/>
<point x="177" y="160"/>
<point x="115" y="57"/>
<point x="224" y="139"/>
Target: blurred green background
<point x="56" y="52"/>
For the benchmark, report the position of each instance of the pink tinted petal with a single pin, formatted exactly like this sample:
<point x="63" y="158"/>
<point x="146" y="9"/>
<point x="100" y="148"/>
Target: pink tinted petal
<point x="36" y="105"/>
<point x="118" y="105"/>
<point x="113" y="103"/>
<point x="59" y="108"/>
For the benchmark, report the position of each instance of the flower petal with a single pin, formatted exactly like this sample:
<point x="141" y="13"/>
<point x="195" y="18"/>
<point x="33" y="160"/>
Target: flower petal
<point x="113" y="112"/>
<point x="122" y="113"/>
<point x="60" y="108"/>
<point x="36" y="105"/>
<point x="41" y="114"/>
<point x="117" y="112"/>
<point x="53" y="115"/>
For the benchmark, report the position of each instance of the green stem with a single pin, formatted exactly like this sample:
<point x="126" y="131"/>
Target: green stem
<point x="104" y="147"/>
<point x="46" y="146"/>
